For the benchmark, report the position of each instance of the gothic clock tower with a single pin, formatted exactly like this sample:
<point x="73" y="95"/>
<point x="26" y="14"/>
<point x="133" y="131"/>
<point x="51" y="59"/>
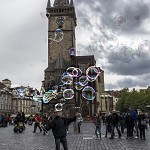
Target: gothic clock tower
<point x="61" y="37"/>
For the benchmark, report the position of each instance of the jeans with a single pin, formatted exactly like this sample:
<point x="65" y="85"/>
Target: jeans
<point x="129" y="131"/>
<point x="113" y="128"/>
<point x="142" y="133"/>
<point x="79" y="125"/>
<point x="62" y="140"/>
<point x="98" y="129"/>
<point x="37" y="125"/>
<point x="136" y="128"/>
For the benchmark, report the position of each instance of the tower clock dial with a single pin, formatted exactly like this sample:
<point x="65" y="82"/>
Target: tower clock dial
<point x="60" y="21"/>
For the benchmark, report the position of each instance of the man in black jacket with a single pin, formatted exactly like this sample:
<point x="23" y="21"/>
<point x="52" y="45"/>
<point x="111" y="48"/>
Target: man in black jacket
<point x="114" y="124"/>
<point x="59" y="125"/>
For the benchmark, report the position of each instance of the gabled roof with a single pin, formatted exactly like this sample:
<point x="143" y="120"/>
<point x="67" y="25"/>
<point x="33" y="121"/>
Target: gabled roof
<point x="58" y="64"/>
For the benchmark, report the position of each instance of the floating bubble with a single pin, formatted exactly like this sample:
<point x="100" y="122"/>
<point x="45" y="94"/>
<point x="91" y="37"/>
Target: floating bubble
<point x="119" y="21"/>
<point x="58" y="107"/>
<point x="94" y="46"/>
<point x="109" y="42"/>
<point x="72" y="71"/>
<point x="144" y="46"/>
<point x="88" y="93"/>
<point x="50" y="40"/>
<point x="72" y="51"/>
<point x="58" y="35"/>
<point x="125" y="54"/>
<point x="68" y="93"/>
<point x="46" y="98"/>
<point x="67" y="79"/>
<point x="92" y="73"/>
<point x="78" y="86"/>
<point x="21" y="91"/>
<point x="83" y="80"/>
<point x="79" y="72"/>
<point x="38" y="98"/>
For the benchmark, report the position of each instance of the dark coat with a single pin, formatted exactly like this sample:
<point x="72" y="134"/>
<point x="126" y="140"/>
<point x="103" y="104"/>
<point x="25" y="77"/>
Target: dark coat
<point x="114" y="118"/>
<point x="129" y="121"/>
<point x="59" y="126"/>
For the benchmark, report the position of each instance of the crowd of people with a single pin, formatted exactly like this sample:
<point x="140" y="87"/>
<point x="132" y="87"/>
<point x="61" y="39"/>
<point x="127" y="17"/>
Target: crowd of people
<point x="133" y="122"/>
<point x="4" y="120"/>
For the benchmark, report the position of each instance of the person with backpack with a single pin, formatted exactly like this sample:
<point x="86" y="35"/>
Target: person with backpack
<point x="142" y="125"/>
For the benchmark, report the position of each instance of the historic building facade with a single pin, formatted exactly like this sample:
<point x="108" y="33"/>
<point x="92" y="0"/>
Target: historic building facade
<point x="5" y="97"/>
<point x="62" y="17"/>
<point x="17" y="99"/>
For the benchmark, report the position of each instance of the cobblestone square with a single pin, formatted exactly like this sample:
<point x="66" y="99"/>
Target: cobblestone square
<point x="83" y="141"/>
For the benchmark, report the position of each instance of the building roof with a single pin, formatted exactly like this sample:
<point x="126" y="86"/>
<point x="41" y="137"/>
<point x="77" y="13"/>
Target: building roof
<point x="2" y="85"/>
<point x="6" y="79"/>
<point x="59" y="63"/>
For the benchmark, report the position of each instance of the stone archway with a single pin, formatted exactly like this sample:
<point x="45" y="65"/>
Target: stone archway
<point x="85" y="111"/>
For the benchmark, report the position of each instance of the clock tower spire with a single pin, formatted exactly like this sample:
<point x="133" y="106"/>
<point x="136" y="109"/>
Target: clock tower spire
<point x="48" y="4"/>
<point x="61" y="19"/>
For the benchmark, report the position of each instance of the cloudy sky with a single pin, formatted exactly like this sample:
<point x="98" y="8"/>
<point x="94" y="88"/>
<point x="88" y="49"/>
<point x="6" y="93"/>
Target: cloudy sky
<point x="115" y="31"/>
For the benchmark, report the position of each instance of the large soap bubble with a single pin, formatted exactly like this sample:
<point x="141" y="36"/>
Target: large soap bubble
<point x="58" y="35"/>
<point x="119" y="21"/>
<point x="88" y="93"/>
<point x="83" y="80"/>
<point x="67" y="79"/>
<point x="144" y="46"/>
<point x="109" y="42"/>
<point x="92" y="73"/>
<point x="68" y="93"/>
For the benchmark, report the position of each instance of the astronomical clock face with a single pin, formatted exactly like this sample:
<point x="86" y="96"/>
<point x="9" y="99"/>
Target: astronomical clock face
<point x="60" y="21"/>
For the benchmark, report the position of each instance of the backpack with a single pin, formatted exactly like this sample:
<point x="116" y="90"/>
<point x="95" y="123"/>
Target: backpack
<point x="143" y="122"/>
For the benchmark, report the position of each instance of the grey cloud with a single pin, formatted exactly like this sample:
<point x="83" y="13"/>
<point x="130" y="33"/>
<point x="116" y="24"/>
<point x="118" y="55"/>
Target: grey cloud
<point x="129" y="82"/>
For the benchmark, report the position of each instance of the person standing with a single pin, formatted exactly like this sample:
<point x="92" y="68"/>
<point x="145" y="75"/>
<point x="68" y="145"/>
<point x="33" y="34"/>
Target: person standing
<point x="134" y="115"/>
<point x="37" y="122"/>
<point x="58" y="126"/>
<point x="79" y="120"/>
<point x="97" y="126"/>
<point x="142" y="125"/>
<point x="108" y="123"/>
<point x="44" y="122"/>
<point x="114" y="124"/>
<point x="130" y="125"/>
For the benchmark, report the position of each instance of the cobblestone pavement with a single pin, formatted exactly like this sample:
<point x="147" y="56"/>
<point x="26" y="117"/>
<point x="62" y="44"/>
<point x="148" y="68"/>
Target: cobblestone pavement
<point x="83" y="141"/>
